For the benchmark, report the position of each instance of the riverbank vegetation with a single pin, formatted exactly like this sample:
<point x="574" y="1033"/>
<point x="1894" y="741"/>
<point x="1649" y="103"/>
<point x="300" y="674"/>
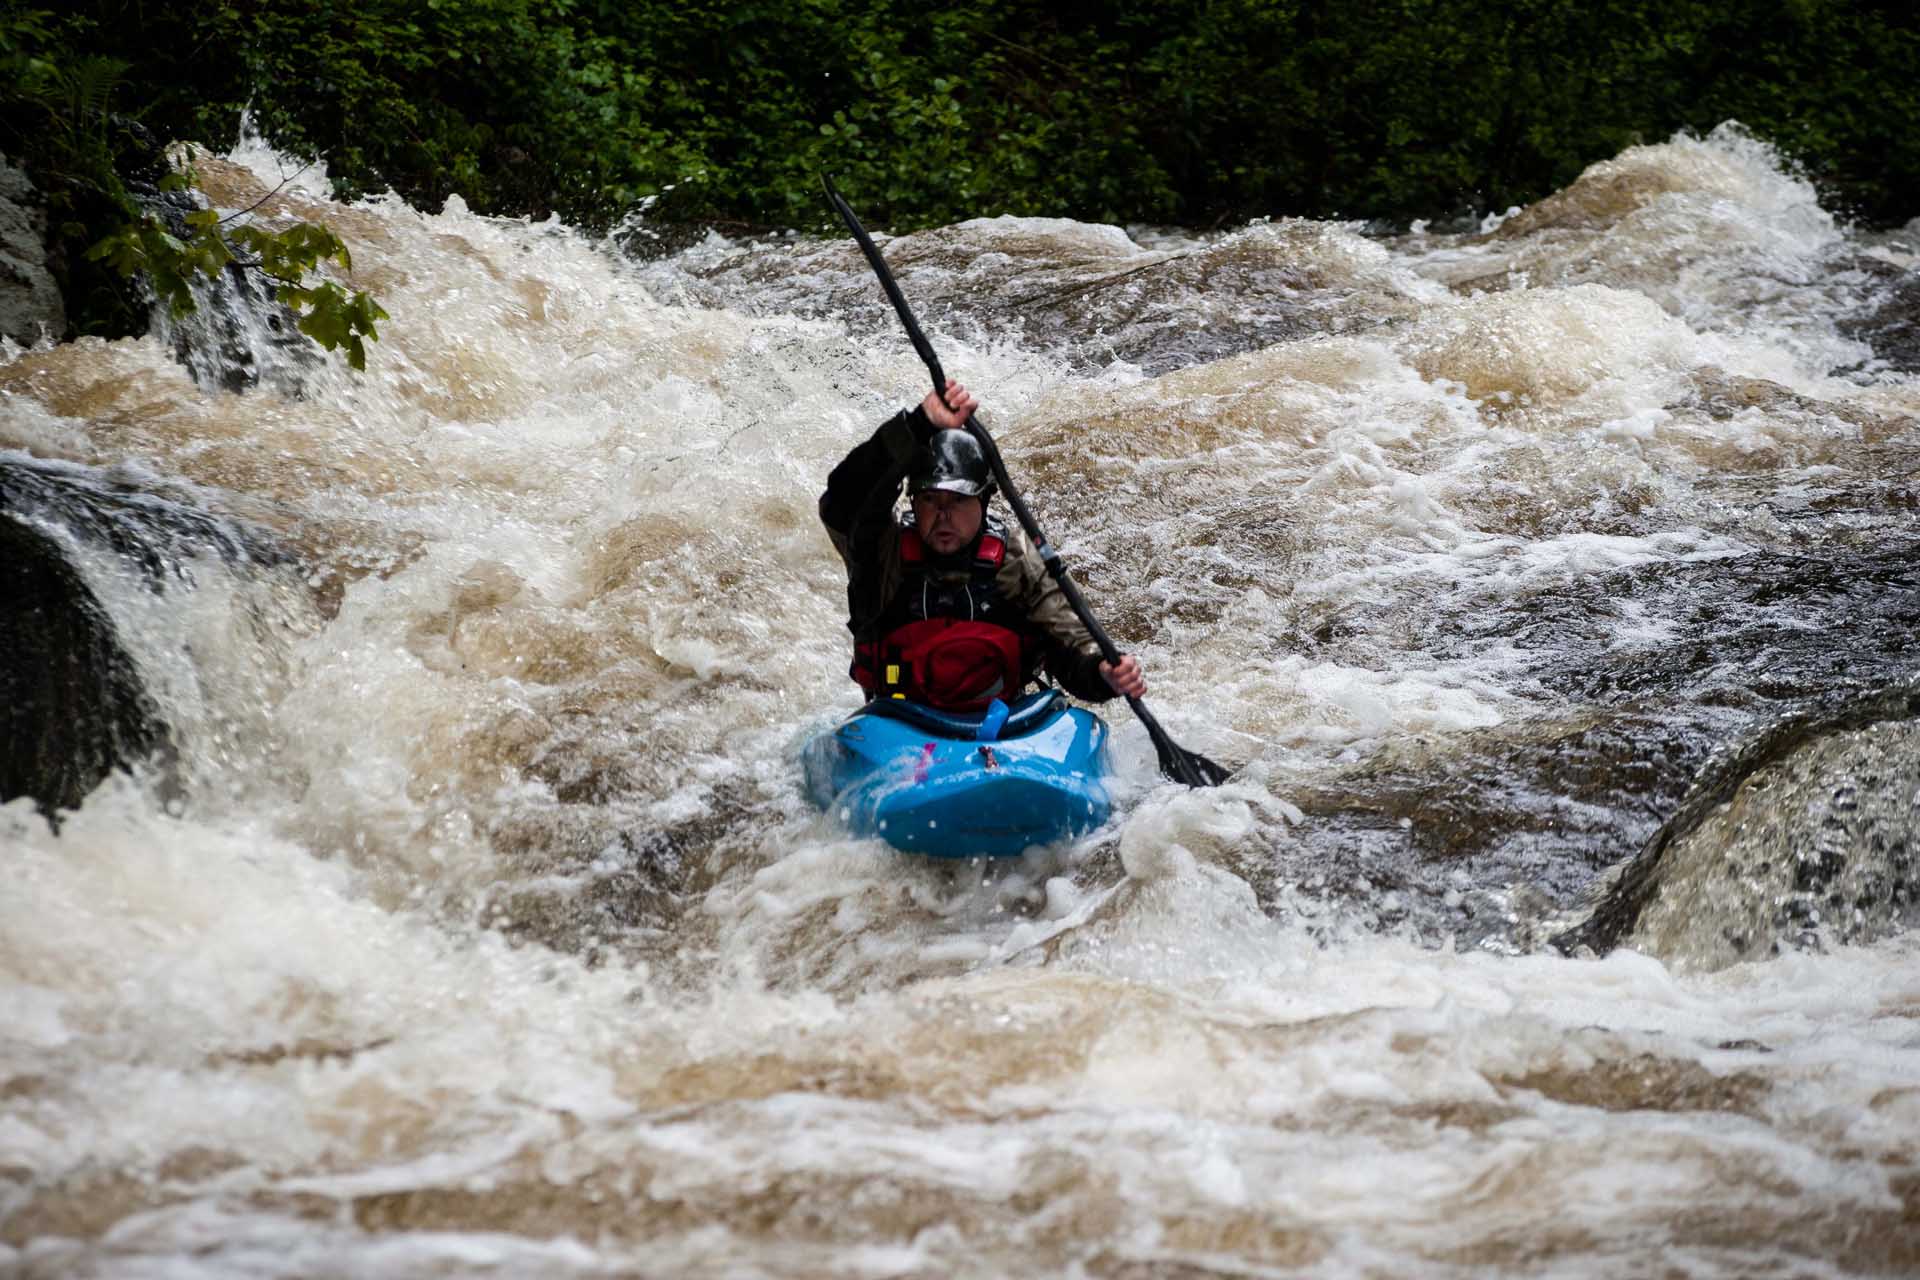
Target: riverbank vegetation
<point x="1193" y="112"/>
<point x="122" y="228"/>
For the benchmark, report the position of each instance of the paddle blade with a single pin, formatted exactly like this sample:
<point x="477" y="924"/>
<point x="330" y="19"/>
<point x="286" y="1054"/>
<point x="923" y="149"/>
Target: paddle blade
<point x="1190" y="767"/>
<point x="1178" y="763"/>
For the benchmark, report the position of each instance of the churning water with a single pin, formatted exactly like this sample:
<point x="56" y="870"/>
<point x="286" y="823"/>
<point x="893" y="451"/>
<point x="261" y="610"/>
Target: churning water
<point x="479" y="927"/>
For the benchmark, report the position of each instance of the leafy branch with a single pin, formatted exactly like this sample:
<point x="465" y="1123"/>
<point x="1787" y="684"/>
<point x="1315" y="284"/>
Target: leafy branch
<point x="324" y="311"/>
<point x="55" y="117"/>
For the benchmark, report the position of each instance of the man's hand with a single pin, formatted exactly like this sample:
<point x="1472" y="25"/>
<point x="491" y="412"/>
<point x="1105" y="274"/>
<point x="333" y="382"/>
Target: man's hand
<point x="955" y="411"/>
<point x="1125" y="676"/>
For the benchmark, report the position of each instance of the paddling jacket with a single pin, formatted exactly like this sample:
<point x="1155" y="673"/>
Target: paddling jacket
<point x="954" y="631"/>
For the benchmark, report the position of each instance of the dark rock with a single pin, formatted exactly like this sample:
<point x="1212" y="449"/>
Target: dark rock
<point x="30" y="302"/>
<point x="1815" y="869"/>
<point x="157" y="535"/>
<point x="70" y="699"/>
<point x="1544" y="804"/>
<point x="73" y="704"/>
<point x="239" y="334"/>
<point x="1891" y="325"/>
<point x="139" y="156"/>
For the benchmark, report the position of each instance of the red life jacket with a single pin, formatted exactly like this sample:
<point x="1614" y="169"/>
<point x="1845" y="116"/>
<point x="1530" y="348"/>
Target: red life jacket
<point x="956" y="645"/>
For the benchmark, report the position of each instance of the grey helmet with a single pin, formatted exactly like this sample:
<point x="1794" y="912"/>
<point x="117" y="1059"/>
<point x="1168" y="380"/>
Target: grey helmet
<point x="953" y="461"/>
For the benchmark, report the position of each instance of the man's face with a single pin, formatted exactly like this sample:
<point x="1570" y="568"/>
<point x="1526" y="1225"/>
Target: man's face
<point x="947" y="521"/>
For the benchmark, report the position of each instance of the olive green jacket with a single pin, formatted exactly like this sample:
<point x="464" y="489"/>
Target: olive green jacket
<point x="858" y="512"/>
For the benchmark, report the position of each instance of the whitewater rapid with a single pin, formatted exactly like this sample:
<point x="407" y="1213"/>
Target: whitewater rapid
<point x="481" y="927"/>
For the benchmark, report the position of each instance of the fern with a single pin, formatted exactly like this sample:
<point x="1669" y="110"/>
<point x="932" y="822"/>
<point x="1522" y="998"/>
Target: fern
<point x="89" y="85"/>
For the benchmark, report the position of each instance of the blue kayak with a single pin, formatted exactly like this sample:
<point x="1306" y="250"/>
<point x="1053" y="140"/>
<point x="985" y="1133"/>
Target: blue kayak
<point x="963" y="786"/>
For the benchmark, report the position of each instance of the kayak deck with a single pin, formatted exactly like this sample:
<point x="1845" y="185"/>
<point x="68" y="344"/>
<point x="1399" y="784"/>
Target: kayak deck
<point x="960" y="786"/>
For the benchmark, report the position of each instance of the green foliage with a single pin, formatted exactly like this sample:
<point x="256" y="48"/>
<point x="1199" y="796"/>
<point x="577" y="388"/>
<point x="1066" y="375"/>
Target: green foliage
<point x="326" y="313"/>
<point x="146" y="246"/>
<point x="1190" y="111"/>
<point x="58" y="121"/>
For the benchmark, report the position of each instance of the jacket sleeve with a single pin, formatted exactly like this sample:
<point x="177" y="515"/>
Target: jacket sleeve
<point x="857" y="507"/>
<point x="1071" y="656"/>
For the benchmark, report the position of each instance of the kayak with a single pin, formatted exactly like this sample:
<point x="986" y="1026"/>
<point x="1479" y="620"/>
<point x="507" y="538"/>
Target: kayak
<point x="955" y="785"/>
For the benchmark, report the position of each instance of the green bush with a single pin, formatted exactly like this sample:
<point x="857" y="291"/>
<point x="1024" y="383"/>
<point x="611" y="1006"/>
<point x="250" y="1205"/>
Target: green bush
<point x="1181" y="111"/>
<point x="55" y="117"/>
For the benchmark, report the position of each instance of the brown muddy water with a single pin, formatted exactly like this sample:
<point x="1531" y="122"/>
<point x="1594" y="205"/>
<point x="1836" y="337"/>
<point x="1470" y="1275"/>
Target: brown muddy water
<point x="478" y="925"/>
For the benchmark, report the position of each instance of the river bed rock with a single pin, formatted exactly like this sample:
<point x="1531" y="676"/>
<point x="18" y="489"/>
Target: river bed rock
<point x="1801" y="835"/>
<point x="72" y="695"/>
<point x="30" y="302"/>
<point x="70" y="698"/>
<point x="1892" y="325"/>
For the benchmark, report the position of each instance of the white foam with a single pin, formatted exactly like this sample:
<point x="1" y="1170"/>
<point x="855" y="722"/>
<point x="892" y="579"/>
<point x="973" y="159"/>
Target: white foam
<point x="585" y="615"/>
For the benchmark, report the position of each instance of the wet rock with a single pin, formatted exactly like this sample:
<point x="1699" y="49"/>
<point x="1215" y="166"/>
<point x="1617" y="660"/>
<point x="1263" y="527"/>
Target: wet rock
<point x="1534" y="808"/>
<point x="1752" y="634"/>
<point x="1483" y="838"/>
<point x="1722" y="398"/>
<point x="30" y="302"/>
<point x="70" y="699"/>
<point x="1089" y="293"/>
<point x="239" y="335"/>
<point x="1806" y="831"/>
<point x="156" y="534"/>
<point x="72" y="696"/>
<point x="1890" y="324"/>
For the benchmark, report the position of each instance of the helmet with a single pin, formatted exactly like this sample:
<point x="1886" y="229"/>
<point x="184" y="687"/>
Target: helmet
<point x="954" y="461"/>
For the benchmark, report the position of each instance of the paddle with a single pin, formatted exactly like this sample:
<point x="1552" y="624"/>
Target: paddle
<point x="1190" y="767"/>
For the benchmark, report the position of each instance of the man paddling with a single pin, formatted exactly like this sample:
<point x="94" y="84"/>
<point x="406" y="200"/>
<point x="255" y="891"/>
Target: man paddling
<point x="948" y="606"/>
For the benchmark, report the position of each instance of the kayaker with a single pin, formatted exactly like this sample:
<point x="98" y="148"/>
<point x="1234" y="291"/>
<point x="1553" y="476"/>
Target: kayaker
<point x="948" y="605"/>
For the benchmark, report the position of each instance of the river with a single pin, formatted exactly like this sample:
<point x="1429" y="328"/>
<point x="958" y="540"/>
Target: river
<point x="478" y="925"/>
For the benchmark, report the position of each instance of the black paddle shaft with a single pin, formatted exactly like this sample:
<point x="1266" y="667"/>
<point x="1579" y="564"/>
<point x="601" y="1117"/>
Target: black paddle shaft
<point x="1175" y="761"/>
